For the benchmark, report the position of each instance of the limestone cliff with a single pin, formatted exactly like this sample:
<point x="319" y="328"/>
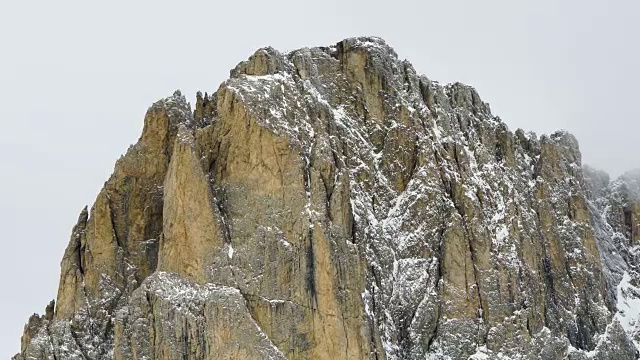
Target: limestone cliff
<point x="330" y="203"/>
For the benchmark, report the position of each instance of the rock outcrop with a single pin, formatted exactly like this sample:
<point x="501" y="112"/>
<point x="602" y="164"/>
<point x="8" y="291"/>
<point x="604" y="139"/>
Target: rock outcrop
<point x="330" y="203"/>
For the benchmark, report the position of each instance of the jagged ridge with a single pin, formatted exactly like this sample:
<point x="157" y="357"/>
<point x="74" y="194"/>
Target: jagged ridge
<point x="331" y="203"/>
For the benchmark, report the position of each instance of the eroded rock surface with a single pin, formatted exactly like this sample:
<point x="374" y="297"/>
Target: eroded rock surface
<point x="330" y="203"/>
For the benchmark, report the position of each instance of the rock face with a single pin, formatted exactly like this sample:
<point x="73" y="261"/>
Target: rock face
<point x="330" y="203"/>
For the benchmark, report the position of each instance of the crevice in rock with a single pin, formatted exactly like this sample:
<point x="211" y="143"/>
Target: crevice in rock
<point x="628" y="221"/>
<point x="220" y="203"/>
<point x="476" y="274"/>
<point x="328" y="188"/>
<point x="79" y="251"/>
<point x="413" y="164"/>
<point x="116" y="238"/>
<point x="311" y="270"/>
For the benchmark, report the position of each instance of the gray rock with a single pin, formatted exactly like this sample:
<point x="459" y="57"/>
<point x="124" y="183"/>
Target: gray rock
<point x="330" y="203"/>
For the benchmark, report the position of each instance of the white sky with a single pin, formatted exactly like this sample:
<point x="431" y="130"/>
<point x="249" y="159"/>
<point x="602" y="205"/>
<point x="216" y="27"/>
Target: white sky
<point x="76" y="78"/>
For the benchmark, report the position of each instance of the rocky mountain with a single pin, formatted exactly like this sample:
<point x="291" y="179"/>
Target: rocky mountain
<point x="331" y="203"/>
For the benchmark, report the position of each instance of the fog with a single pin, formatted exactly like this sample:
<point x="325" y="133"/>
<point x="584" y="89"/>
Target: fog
<point x="76" y="78"/>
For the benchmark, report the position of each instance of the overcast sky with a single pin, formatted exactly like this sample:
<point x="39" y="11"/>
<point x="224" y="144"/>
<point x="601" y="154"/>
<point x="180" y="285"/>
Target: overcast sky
<point x="76" y="78"/>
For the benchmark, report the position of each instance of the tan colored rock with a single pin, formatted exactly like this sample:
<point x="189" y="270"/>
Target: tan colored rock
<point x="193" y="229"/>
<point x="70" y="293"/>
<point x="332" y="204"/>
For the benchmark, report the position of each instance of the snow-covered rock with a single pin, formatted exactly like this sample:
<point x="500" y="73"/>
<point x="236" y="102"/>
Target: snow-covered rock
<point x="330" y="203"/>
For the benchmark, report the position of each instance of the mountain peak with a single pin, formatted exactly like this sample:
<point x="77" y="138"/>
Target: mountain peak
<point x="331" y="203"/>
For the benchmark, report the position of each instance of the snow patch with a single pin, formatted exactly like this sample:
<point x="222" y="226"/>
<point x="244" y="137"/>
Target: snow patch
<point x="629" y="307"/>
